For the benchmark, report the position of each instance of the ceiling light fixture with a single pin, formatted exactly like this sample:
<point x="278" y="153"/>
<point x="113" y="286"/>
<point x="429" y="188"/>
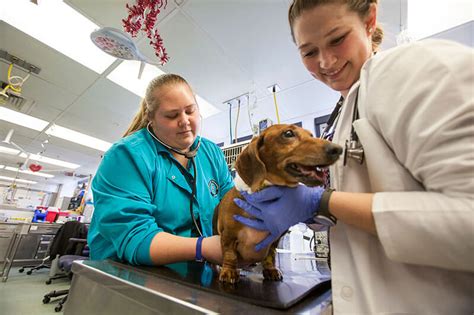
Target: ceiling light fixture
<point x="15" y="169"/>
<point x="77" y="137"/>
<point x="124" y="75"/>
<point x="36" y="157"/>
<point x="21" y="119"/>
<point x="71" y="38"/>
<point x="11" y="179"/>
<point x="47" y="160"/>
<point x="9" y="151"/>
<point x="54" y="130"/>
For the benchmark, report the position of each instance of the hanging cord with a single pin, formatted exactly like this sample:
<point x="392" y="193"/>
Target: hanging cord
<point x="15" y="83"/>
<point x="237" y="121"/>
<point x="276" y="105"/>
<point x="16" y="86"/>
<point x="230" y="122"/>
<point x="249" y="113"/>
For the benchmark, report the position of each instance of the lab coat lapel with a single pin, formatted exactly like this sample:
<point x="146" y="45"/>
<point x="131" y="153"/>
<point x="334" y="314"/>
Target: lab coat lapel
<point x="385" y="171"/>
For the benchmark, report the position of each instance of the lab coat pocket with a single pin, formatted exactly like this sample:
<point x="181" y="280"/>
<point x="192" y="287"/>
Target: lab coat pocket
<point x="386" y="173"/>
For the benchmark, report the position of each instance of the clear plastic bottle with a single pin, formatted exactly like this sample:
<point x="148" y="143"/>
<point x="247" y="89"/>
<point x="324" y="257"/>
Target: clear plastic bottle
<point x="296" y="239"/>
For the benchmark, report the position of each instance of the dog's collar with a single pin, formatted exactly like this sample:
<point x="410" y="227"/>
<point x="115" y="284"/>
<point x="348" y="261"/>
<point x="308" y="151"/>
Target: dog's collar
<point x="240" y="185"/>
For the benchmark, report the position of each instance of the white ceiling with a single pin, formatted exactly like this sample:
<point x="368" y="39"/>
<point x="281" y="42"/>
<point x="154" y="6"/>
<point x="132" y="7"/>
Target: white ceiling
<point x="223" y="48"/>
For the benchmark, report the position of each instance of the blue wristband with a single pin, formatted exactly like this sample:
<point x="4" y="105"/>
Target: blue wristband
<point x="199" y="257"/>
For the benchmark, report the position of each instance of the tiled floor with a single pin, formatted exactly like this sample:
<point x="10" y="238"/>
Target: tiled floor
<point x="23" y="294"/>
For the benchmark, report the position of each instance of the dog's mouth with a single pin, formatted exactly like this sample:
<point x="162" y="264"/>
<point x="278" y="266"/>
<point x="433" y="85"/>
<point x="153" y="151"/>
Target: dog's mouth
<point x="310" y="175"/>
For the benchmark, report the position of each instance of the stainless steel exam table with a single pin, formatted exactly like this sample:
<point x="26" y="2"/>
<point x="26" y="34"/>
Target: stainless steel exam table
<point x="108" y="287"/>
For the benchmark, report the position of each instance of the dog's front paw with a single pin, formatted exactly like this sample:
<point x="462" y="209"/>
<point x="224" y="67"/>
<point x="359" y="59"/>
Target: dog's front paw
<point x="272" y="274"/>
<point x="228" y="275"/>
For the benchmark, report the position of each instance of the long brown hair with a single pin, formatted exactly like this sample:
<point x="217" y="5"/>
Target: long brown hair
<point x="150" y="103"/>
<point x="361" y="7"/>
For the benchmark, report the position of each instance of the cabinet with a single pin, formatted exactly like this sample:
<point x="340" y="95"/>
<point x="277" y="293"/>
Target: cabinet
<point x="24" y="242"/>
<point x="32" y="246"/>
<point x="7" y="231"/>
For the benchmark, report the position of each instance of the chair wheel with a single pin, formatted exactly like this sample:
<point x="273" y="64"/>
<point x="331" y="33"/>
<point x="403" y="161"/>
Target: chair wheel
<point x="21" y="270"/>
<point x="46" y="300"/>
<point x="48" y="281"/>
<point x="29" y="272"/>
<point x="58" y="308"/>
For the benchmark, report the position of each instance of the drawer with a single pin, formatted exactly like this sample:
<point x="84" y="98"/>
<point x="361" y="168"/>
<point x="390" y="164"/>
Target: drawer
<point x="8" y="228"/>
<point x="47" y="238"/>
<point x="42" y="229"/>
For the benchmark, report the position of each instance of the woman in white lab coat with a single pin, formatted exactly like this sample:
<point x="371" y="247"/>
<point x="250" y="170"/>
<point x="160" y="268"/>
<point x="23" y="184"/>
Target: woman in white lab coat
<point x="404" y="238"/>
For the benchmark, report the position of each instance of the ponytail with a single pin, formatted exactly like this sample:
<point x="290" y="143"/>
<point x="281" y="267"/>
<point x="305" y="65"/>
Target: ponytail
<point x="377" y="38"/>
<point x="139" y="121"/>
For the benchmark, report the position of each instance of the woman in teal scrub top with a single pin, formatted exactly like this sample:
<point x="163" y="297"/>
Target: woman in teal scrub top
<point x="143" y="187"/>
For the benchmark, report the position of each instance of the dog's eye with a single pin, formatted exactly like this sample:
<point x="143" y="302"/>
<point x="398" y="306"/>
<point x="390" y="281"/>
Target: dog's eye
<point x="288" y="134"/>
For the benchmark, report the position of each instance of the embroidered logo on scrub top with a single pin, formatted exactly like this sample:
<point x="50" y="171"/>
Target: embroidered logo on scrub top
<point x="213" y="188"/>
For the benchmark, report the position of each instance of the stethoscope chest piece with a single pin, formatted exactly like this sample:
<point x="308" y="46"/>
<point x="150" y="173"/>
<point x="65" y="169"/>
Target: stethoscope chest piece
<point x="353" y="150"/>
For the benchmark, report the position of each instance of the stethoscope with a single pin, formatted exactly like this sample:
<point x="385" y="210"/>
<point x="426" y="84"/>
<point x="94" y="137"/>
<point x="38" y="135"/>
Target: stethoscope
<point x="189" y="155"/>
<point x="353" y="148"/>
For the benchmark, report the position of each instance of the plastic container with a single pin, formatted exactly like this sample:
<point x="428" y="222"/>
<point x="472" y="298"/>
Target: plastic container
<point x="63" y="216"/>
<point x="39" y="216"/>
<point x="296" y="239"/>
<point x="53" y="213"/>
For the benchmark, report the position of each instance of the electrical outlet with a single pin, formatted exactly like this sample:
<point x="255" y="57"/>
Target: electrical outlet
<point x="277" y="88"/>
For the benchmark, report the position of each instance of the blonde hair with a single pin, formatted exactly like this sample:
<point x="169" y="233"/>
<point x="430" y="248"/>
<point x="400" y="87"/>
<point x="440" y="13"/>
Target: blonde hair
<point x="361" y="7"/>
<point x="150" y="102"/>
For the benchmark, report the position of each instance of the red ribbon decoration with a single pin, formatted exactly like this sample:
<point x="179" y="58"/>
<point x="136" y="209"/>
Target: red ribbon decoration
<point x="144" y="13"/>
<point x="35" y="167"/>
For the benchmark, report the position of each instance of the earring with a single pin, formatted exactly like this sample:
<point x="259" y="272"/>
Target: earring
<point x="371" y="30"/>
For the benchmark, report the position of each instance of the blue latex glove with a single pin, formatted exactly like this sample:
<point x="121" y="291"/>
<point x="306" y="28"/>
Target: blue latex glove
<point x="276" y="208"/>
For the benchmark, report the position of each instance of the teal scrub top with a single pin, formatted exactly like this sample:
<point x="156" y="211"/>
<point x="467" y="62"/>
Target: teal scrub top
<point x="140" y="189"/>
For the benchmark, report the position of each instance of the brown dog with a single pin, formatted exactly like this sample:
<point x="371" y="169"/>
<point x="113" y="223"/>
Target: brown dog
<point x="282" y="155"/>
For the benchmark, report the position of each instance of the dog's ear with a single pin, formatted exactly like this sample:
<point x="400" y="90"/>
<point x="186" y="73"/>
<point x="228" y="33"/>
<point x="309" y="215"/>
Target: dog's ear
<point x="249" y="165"/>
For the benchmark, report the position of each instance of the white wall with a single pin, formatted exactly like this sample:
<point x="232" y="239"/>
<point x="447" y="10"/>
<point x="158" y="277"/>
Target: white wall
<point x="68" y="188"/>
<point x="463" y="34"/>
<point x="301" y="103"/>
<point x="25" y="197"/>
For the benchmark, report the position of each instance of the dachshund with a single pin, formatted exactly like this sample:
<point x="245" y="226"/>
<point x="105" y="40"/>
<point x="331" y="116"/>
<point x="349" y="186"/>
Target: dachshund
<point x="283" y="155"/>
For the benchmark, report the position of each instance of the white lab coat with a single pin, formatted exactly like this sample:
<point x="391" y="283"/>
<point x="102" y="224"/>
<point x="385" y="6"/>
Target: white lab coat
<point x="417" y="126"/>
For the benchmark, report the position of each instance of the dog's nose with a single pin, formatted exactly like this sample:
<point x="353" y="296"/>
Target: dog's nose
<point x="333" y="150"/>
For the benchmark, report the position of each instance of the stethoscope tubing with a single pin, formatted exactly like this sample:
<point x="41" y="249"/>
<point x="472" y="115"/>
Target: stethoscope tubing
<point x="190" y="155"/>
<point x="353" y="147"/>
